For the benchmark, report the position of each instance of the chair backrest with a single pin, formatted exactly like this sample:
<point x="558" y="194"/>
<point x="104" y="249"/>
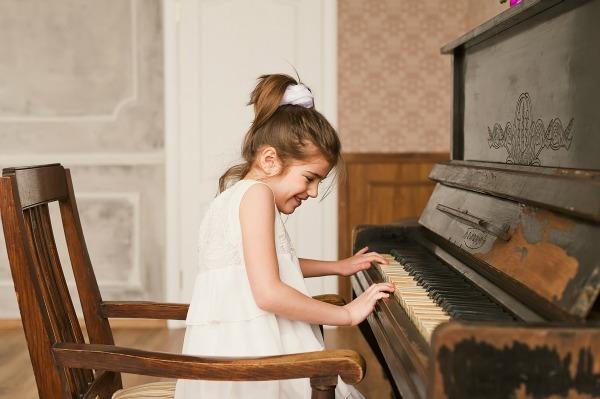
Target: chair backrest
<point x="47" y="311"/>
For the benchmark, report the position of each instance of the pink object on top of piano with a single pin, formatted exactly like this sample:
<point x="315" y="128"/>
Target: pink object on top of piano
<point x="515" y="2"/>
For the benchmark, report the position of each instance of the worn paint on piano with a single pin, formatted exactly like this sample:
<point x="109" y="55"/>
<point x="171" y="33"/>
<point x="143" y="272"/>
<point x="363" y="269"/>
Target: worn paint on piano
<point x="529" y="361"/>
<point x="547" y="254"/>
<point x="533" y="254"/>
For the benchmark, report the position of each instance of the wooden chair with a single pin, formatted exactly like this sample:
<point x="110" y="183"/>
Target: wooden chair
<point x="65" y="366"/>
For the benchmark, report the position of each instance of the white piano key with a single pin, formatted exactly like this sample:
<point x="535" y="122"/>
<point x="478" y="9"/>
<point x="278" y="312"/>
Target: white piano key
<point x="424" y="312"/>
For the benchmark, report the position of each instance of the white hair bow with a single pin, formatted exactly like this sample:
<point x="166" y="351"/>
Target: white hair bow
<point x="298" y="95"/>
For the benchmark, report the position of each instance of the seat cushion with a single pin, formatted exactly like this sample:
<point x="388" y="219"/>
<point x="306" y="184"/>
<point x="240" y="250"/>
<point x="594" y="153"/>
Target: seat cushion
<point x="153" y="390"/>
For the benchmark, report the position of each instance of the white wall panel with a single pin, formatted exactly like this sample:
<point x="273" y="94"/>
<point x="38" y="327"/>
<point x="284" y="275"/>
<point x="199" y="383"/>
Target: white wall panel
<point x="81" y="83"/>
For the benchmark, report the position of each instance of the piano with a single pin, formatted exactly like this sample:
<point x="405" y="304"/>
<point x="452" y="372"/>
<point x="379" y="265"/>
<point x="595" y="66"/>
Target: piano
<point x="497" y="283"/>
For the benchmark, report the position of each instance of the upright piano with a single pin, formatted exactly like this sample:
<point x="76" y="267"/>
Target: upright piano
<point x="497" y="283"/>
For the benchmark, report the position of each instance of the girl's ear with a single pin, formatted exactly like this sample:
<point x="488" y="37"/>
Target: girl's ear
<point x="269" y="161"/>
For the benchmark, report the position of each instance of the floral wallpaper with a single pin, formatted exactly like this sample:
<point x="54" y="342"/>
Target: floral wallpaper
<point x="394" y="85"/>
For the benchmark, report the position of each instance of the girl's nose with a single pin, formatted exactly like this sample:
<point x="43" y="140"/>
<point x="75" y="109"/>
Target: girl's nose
<point x="313" y="192"/>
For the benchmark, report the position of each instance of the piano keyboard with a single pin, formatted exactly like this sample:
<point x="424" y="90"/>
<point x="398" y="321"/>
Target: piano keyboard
<point x="431" y="293"/>
<point x="421" y="309"/>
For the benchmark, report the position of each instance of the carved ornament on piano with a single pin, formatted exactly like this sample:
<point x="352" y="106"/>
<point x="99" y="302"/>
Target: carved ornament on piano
<point x="524" y="139"/>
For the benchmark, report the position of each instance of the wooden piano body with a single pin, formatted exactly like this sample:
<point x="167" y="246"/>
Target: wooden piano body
<point x="515" y="215"/>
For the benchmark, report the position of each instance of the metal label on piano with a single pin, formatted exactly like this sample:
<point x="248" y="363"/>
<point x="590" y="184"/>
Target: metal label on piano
<point x="508" y="246"/>
<point x="474" y="238"/>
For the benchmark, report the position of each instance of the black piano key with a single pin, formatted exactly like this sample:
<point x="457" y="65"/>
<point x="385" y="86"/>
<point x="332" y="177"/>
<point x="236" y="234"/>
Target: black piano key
<point x="452" y="291"/>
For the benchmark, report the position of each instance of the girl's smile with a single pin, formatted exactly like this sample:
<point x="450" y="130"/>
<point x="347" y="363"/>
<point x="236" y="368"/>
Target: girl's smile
<point x="293" y="183"/>
<point x="298" y="182"/>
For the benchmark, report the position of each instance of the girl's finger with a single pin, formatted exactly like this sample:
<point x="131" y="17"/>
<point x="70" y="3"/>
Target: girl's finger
<point x="382" y="295"/>
<point x="378" y="258"/>
<point x="379" y="288"/>
<point x="386" y="287"/>
<point x="362" y="251"/>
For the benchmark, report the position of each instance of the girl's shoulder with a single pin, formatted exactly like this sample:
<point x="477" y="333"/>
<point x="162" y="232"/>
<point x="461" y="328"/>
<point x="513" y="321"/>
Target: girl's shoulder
<point x="257" y="198"/>
<point x="232" y="197"/>
<point x="240" y="188"/>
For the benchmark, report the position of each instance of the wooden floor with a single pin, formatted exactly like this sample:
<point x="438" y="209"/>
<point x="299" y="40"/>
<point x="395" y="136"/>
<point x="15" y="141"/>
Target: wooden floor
<point x="17" y="381"/>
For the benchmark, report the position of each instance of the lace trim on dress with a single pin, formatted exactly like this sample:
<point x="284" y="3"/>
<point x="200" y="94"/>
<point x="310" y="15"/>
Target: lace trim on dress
<point x="284" y="243"/>
<point x="222" y="291"/>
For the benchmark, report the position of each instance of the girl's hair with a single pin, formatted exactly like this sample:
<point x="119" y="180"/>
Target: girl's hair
<point x="287" y="128"/>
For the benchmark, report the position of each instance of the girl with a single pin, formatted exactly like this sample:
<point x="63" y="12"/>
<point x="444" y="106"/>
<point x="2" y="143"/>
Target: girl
<point x="250" y="298"/>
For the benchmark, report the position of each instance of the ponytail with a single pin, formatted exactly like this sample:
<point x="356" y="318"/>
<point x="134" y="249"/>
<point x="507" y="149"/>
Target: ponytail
<point x="287" y="128"/>
<point x="267" y="95"/>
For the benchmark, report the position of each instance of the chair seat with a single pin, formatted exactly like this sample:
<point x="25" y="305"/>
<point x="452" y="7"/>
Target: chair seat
<point x="152" y="390"/>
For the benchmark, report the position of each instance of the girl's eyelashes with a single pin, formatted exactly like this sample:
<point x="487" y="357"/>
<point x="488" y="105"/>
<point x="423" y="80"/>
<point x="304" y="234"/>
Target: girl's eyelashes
<point x="310" y="179"/>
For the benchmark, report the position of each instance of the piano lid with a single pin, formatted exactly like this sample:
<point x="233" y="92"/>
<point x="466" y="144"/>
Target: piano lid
<point x="527" y="89"/>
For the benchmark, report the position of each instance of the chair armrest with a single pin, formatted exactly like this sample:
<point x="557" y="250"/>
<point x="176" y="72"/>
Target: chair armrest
<point x="144" y="310"/>
<point x="333" y="299"/>
<point x="348" y="364"/>
<point x="171" y="311"/>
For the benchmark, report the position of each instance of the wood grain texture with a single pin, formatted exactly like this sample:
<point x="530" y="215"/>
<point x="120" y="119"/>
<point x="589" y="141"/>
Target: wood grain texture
<point x="381" y="189"/>
<point x="323" y="364"/>
<point x="46" y="376"/>
<point x="39" y="184"/>
<point x="89" y="294"/>
<point x="144" y="309"/>
<point x="17" y="379"/>
<point x="61" y="320"/>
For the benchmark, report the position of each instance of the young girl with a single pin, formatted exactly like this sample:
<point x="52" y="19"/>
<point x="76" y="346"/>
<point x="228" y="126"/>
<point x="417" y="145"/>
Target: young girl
<point x="250" y="298"/>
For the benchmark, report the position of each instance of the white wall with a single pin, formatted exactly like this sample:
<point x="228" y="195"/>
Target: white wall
<point x="81" y="83"/>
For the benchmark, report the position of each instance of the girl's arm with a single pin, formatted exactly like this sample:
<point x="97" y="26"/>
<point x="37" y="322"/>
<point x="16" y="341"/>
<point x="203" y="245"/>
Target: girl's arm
<point x="317" y="268"/>
<point x="257" y="219"/>
<point x="343" y="267"/>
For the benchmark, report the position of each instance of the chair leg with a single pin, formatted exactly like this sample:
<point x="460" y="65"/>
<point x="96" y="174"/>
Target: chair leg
<point x="323" y="387"/>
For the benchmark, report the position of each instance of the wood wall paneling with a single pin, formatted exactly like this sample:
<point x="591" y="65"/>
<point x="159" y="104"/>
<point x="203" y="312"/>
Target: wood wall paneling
<point x="381" y="189"/>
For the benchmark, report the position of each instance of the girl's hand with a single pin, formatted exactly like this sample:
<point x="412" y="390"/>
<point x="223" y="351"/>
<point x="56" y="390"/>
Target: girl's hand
<point x="362" y="306"/>
<point x="360" y="261"/>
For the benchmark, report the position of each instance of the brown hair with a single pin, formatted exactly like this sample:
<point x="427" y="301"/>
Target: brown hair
<point x="287" y="128"/>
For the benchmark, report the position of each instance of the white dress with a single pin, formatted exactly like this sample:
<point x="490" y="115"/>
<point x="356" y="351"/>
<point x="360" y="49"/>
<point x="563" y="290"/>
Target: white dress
<point x="223" y="318"/>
